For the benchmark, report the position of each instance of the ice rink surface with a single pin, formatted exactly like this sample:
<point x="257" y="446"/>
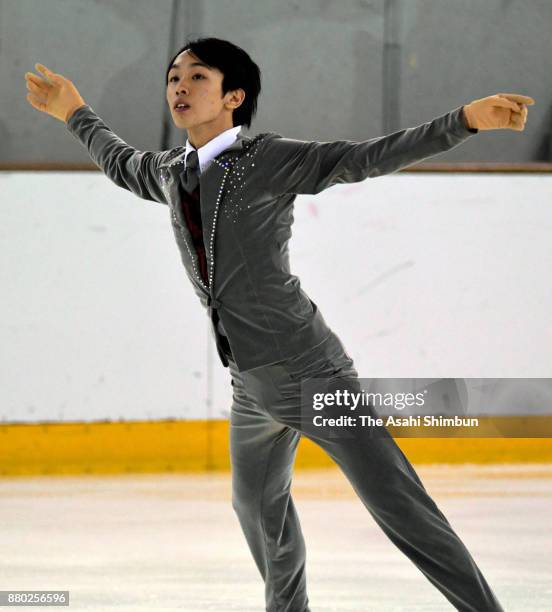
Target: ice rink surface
<point x="172" y="542"/>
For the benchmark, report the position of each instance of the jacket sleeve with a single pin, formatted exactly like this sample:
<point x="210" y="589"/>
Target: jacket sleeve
<point x="134" y="170"/>
<point x="296" y="166"/>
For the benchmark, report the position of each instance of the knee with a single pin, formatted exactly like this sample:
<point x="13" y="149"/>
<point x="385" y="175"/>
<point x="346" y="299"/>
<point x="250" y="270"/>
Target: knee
<point x="246" y="505"/>
<point x="255" y="513"/>
<point x="238" y="504"/>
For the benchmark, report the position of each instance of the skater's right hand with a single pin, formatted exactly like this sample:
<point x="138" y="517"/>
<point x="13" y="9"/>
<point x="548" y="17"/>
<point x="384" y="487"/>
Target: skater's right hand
<point x="53" y="94"/>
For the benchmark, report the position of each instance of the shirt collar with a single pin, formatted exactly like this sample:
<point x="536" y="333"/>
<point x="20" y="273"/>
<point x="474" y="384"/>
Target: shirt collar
<point x="211" y="149"/>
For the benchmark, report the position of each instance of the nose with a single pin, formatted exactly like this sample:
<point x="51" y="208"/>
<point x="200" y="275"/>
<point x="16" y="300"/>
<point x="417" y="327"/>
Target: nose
<point x="180" y="88"/>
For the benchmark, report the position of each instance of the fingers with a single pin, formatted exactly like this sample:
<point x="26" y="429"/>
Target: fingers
<point x="500" y="100"/>
<point x="45" y="71"/>
<point x="36" y="102"/>
<point x="37" y="85"/>
<point x="38" y="91"/>
<point x="517" y="120"/>
<point x="518" y="98"/>
<point x="38" y="88"/>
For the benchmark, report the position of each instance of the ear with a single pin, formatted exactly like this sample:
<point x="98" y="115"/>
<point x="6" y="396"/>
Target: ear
<point x="235" y="98"/>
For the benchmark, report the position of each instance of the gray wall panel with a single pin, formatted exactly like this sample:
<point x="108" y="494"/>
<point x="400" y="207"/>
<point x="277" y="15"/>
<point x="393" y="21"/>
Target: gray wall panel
<point x="454" y="55"/>
<point x="347" y="70"/>
<point x="112" y="51"/>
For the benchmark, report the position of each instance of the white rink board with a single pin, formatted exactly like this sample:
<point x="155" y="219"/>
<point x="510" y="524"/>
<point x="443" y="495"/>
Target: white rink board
<point x="420" y="275"/>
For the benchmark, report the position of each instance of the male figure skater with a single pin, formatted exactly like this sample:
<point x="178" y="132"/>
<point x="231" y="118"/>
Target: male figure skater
<point x="230" y="200"/>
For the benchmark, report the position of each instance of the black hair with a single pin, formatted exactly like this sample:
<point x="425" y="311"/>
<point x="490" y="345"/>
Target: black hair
<point x="239" y="70"/>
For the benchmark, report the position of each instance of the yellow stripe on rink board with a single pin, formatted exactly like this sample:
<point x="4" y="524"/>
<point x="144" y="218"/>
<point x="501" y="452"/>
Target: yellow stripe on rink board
<point x="192" y="446"/>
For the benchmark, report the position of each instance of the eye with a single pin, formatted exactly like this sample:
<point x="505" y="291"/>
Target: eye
<point x="198" y="74"/>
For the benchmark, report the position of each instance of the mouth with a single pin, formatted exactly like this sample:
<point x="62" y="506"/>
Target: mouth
<point x="181" y="107"/>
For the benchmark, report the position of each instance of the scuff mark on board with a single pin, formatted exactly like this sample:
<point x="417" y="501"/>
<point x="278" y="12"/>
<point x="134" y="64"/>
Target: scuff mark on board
<point x="385" y="275"/>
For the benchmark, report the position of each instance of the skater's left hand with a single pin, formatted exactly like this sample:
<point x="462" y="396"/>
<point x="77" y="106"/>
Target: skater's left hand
<point x="501" y="111"/>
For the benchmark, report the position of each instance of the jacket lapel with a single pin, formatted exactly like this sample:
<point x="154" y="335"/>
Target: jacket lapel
<point x="212" y="185"/>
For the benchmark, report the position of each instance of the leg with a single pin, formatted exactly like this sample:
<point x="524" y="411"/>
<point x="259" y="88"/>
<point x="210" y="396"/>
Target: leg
<point x="262" y="455"/>
<point x="392" y="492"/>
<point x="384" y="479"/>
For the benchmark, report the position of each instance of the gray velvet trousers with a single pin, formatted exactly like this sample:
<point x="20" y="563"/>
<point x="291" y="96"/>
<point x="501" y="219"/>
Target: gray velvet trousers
<point x="265" y="427"/>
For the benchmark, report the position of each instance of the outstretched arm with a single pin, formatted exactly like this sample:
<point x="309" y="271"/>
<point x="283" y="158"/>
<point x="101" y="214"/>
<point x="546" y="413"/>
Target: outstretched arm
<point x="134" y="170"/>
<point x="297" y="166"/>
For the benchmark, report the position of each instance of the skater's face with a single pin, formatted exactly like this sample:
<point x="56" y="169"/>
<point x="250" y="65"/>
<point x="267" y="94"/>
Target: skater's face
<point x="209" y="113"/>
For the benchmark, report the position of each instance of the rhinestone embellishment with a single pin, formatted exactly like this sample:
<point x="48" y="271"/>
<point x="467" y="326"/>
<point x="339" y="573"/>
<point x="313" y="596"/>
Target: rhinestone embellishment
<point x="234" y="201"/>
<point x="235" y="169"/>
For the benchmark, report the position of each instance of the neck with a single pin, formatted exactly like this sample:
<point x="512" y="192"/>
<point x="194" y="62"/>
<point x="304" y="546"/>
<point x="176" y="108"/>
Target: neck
<point x="200" y="135"/>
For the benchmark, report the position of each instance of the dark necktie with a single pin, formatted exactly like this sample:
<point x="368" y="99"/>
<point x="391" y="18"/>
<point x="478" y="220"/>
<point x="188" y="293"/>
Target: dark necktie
<point x="192" y="212"/>
<point x="190" y="178"/>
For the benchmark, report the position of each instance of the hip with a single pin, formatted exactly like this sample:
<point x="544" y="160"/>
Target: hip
<point x="328" y="359"/>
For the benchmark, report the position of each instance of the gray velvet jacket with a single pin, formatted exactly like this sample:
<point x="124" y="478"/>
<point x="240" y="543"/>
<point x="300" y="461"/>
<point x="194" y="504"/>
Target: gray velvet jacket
<point x="247" y="198"/>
